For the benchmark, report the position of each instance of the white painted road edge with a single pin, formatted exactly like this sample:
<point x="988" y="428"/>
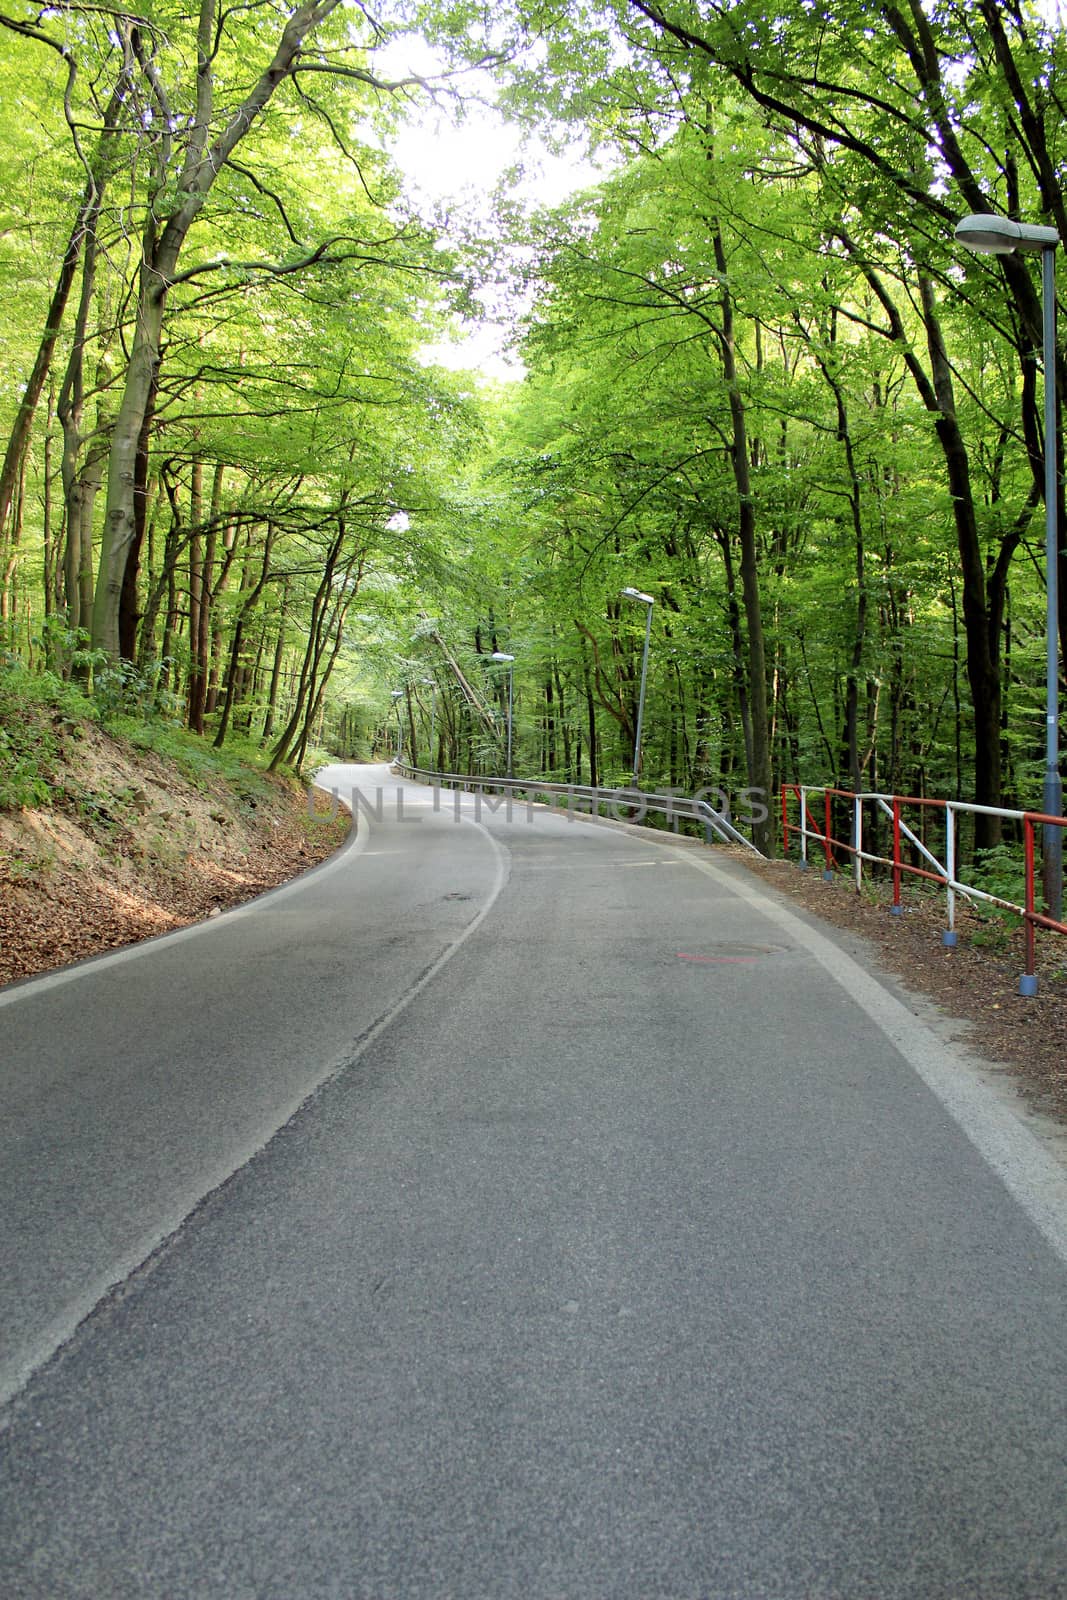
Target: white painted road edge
<point x="1034" y="1178"/>
<point x="24" y="988"/>
<point x="1031" y="1175"/>
<point x="17" y="1370"/>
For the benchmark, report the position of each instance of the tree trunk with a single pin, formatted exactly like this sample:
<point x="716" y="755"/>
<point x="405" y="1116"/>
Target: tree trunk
<point x="160" y="251"/>
<point x="737" y="659"/>
<point x="82" y="234"/>
<point x="281" y="749"/>
<point x="276" y="668"/>
<point x="980" y="620"/>
<point x="129" y="614"/>
<point x="234" y="674"/>
<point x="983" y="643"/>
<point x="197" y="590"/>
<point x="759" y="774"/>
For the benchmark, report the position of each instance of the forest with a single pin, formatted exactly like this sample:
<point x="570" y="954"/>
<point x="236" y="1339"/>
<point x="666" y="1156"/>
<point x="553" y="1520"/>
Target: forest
<point x="762" y="383"/>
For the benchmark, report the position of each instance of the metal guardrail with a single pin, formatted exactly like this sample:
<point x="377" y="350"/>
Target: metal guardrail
<point x="945" y="874"/>
<point x="674" y="807"/>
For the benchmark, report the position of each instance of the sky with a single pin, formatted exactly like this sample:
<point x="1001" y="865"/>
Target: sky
<point x="457" y="164"/>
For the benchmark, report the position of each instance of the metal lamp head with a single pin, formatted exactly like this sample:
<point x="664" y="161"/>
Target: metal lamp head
<point x="991" y="235"/>
<point x="635" y="594"/>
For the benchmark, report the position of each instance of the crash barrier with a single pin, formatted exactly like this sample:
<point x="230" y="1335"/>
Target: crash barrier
<point x="622" y="803"/>
<point x="799" y="820"/>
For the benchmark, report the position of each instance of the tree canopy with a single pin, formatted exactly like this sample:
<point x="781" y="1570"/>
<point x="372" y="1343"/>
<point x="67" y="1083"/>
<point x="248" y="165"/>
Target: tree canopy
<point x="763" y="384"/>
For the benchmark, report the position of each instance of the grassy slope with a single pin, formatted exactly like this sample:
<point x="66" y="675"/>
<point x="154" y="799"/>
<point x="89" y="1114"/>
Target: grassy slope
<point x="113" y="833"/>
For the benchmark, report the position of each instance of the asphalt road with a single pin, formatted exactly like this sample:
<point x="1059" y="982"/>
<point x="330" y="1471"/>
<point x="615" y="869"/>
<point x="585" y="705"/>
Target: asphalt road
<point x="526" y="1209"/>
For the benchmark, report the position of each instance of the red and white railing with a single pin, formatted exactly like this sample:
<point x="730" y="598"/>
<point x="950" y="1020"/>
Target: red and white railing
<point x="946" y="872"/>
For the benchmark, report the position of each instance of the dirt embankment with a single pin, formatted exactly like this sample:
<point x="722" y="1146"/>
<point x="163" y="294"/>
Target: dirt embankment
<point x="129" y="845"/>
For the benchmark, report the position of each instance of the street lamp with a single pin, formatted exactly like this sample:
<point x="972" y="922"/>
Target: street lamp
<point x="398" y="695"/>
<point x="432" y="686"/>
<point x="648" y="602"/>
<point x="1000" y="236"/>
<point x="500" y="655"/>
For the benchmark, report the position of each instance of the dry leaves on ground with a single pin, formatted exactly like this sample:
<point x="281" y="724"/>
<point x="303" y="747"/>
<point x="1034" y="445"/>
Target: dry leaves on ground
<point x="63" y="897"/>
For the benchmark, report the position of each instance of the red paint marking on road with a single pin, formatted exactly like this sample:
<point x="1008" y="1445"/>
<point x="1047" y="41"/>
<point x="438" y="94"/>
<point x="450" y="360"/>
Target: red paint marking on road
<point x="719" y="961"/>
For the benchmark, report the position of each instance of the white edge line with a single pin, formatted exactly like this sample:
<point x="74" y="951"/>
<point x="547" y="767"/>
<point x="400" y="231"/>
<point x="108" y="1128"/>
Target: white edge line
<point x="1033" y="1177"/>
<point x="17" y="1370"/>
<point x="23" y="988"/>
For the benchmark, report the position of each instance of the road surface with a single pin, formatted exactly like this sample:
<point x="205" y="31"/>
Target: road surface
<point x="518" y="1208"/>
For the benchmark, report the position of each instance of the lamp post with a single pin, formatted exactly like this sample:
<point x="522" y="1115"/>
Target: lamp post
<point x="398" y="695"/>
<point x="648" y="602"/>
<point x="432" y="686"/>
<point x="500" y="655"/>
<point x="1000" y="236"/>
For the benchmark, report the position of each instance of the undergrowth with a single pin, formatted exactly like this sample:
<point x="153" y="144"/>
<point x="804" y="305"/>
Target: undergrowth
<point x="38" y="715"/>
<point x="42" y="716"/>
<point x="240" y="763"/>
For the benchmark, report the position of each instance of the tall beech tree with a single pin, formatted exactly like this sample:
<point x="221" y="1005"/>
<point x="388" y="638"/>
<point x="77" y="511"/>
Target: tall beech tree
<point x="909" y="115"/>
<point x="184" y="172"/>
<point x="180" y="112"/>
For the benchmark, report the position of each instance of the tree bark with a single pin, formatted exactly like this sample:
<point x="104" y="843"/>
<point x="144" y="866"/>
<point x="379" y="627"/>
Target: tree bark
<point x="129" y="613"/>
<point x="759" y="774"/>
<point x="276" y="667"/>
<point x="983" y="641"/>
<point x="82" y="233"/>
<point x="162" y="242"/>
<point x="197" y="588"/>
<point x="250" y="602"/>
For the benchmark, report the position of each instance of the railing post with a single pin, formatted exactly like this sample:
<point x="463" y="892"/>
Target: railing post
<point x="857" y="839"/>
<point x="948" y="938"/>
<point x="828" y="870"/>
<point x="1028" y="981"/>
<point x="803" y="829"/>
<point x="896" y="908"/>
<point x="785" y="819"/>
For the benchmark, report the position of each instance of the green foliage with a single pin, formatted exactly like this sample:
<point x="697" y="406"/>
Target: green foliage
<point x="240" y="763"/>
<point x="123" y="689"/>
<point x="1001" y="871"/>
<point x="22" y="782"/>
<point x="66" y="646"/>
<point x="37" y="714"/>
<point x="323" y="494"/>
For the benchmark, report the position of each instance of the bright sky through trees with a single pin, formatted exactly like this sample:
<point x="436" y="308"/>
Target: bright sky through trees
<point x="455" y="154"/>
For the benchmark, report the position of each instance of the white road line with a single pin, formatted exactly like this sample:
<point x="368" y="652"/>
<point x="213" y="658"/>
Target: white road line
<point x="17" y="1369"/>
<point x="1033" y="1176"/>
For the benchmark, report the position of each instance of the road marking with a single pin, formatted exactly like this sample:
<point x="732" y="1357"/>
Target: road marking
<point x="500" y="877"/>
<point x="18" y="1368"/>
<point x="354" y="844"/>
<point x="1030" y="1174"/>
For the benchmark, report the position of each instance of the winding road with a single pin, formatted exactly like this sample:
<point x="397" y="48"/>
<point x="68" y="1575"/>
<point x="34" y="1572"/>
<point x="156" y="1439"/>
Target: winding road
<point x="518" y="1207"/>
